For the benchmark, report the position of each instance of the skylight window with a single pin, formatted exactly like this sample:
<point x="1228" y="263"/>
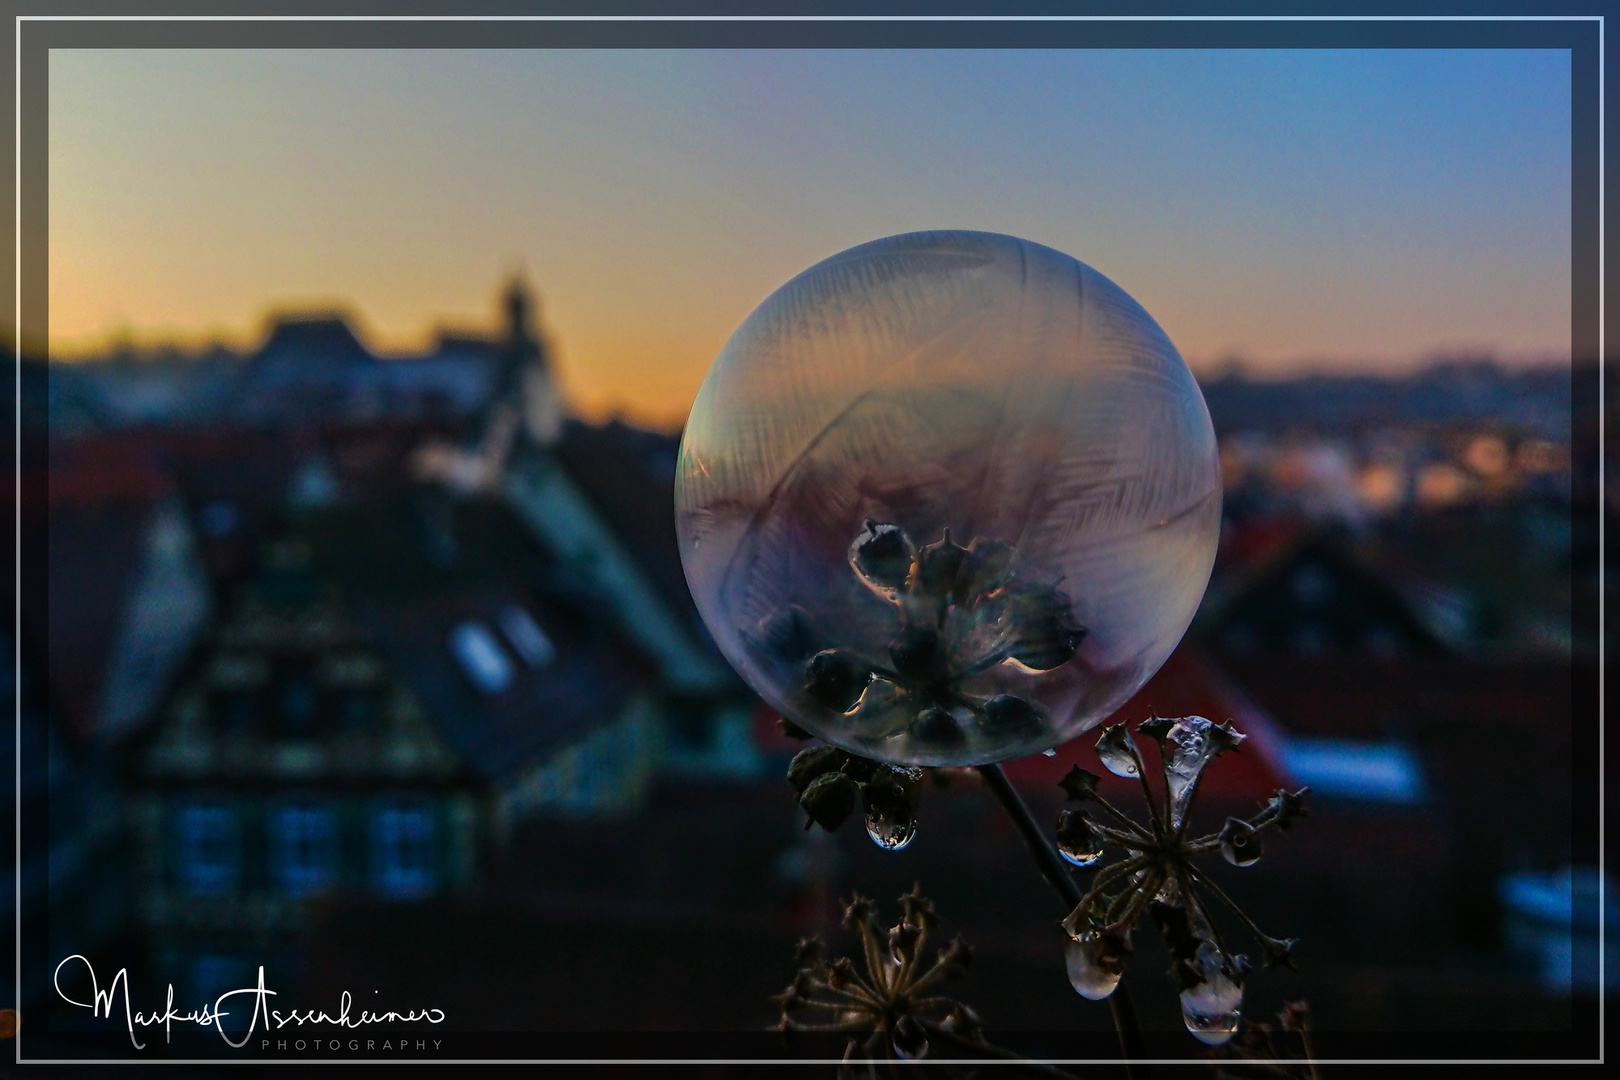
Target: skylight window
<point x="481" y="657"/>
<point x="526" y="637"/>
<point x="1341" y="768"/>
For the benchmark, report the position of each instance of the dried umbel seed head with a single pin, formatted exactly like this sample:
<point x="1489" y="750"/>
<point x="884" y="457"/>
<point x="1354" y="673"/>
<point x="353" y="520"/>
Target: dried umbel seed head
<point x="1159" y="876"/>
<point x="896" y="998"/>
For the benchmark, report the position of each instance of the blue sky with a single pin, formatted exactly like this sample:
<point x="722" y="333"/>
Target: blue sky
<point x="1361" y="208"/>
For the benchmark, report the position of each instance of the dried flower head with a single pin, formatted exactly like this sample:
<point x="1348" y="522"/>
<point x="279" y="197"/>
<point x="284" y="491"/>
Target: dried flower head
<point x="892" y="1001"/>
<point x="1158" y="877"/>
<point x="957" y="613"/>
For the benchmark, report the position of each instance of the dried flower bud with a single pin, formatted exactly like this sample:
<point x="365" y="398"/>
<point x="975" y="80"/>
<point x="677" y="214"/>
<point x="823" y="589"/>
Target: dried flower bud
<point x="1223" y="737"/>
<point x="792" y="730"/>
<point x="937" y="727"/>
<point x="965" y="1022"/>
<point x="1007" y="714"/>
<point x="1279" y="952"/>
<point x="1285" y="808"/>
<point x="882" y="555"/>
<point x="1080" y="784"/>
<point x="903" y="940"/>
<point x="859" y="769"/>
<point x="839" y="972"/>
<point x="1240" y="844"/>
<point x="795" y="993"/>
<point x="934" y="573"/>
<point x="917" y="654"/>
<point x="956" y="958"/>
<point x="919" y="910"/>
<point x="1048" y="636"/>
<point x="809" y="951"/>
<point x="835" y="679"/>
<point x="1296" y="1016"/>
<point x="1156" y="728"/>
<point x="858" y="912"/>
<point x="811" y="763"/>
<point x="987" y="567"/>
<point x="829" y="799"/>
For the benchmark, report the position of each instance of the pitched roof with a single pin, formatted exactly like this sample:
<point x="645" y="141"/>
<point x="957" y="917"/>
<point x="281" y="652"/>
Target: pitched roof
<point x="414" y="570"/>
<point x="1311" y="583"/>
<point x="629" y="476"/>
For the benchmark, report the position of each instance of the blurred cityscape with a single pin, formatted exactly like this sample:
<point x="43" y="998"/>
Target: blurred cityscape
<point x="382" y="672"/>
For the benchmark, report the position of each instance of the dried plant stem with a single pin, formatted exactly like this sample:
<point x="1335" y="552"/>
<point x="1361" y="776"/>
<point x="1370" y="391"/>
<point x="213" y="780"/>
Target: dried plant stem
<point x="1057" y="875"/>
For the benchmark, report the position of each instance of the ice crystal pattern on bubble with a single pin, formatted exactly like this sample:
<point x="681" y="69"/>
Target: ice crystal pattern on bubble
<point x="953" y="381"/>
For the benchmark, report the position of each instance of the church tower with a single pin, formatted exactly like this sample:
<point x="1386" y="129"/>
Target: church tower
<point x="525" y="374"/>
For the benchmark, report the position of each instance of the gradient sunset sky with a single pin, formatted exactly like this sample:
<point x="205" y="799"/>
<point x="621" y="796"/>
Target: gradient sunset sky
<point x="1309" y="208"/>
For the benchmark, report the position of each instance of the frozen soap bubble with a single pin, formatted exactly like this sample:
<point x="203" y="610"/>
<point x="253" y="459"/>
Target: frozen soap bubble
<point x="948" y="498"/>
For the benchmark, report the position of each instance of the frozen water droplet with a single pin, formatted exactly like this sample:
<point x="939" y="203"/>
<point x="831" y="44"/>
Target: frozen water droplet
<point x="1240" y="846"/>
<point x="1075" y="856"/>
<point x="890" y="833"/>
<point x="1089" y="977"/>
<point x="1117" y="751"/>
<point x="1197" y="741"/>
<point x="1078" y="840"/>
<point x="1211" y="1009"/>
<point x="1050" y="751"/>
<point x="909" y="1041"/>
<point x="939" y="381"/>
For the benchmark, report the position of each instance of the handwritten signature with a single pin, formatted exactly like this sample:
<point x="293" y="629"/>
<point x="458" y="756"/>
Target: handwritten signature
<point x="102" y="1004"/>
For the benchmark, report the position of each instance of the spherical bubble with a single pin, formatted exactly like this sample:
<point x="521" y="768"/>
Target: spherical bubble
<point x="948" y="498"/>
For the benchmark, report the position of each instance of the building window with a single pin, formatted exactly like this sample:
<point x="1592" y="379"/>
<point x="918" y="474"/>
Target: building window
<point x="526" y="637"/>
<point x="300" y="703"/>
<point x="403" y="850"/>
<point x="304" y="848"/>
<point x="481" y="657"/>
<point x="206" y="848"/>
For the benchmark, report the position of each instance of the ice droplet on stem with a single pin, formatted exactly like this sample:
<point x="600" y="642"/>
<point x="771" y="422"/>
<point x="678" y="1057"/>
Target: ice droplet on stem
<point x="1090" y="978"/>
<point x="1212" y="1008"/>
